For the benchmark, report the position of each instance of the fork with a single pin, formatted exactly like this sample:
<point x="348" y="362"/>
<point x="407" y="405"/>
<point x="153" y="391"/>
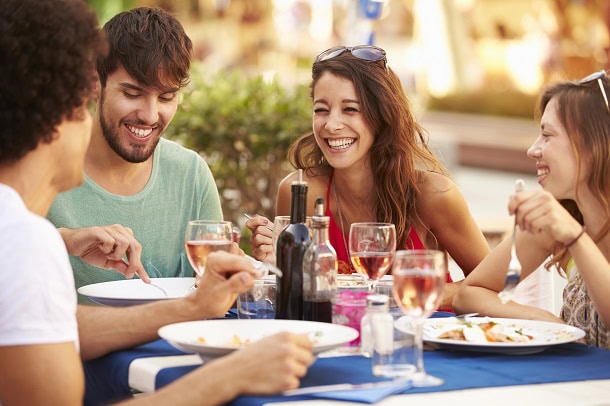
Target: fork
<point x="154" y="284"/>
<point x="249" y="217"/>
<point x="513" y="273"/>
<point x="264" y="268"/>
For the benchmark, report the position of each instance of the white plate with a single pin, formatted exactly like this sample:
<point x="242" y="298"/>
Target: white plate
<point x="544" y="334"/>
<point x="133" y="291"/>
<point x="219" y="335"/>
<point x="356" y="280"/>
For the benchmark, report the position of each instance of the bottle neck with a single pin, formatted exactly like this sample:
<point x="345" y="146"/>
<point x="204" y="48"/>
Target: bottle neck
<point x="319" y="234"/>
<point x="297" y="203"/>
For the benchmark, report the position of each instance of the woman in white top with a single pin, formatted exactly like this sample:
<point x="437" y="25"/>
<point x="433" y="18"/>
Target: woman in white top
<point x="568" y="219"/>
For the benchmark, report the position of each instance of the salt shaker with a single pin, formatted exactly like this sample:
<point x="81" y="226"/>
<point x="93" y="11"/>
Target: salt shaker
<point x="376" y="327"/>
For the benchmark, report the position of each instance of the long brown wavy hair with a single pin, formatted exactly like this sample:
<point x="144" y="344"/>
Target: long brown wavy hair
<point x="400" y="147"/>
<point x="584" y="115"/>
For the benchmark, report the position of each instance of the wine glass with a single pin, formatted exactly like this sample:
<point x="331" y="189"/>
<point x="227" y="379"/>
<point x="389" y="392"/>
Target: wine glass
<point x="203" y="237"/>
<point x="371" y="249"/>
<point x="279" y="224"/>
<point x="419" y="278"/>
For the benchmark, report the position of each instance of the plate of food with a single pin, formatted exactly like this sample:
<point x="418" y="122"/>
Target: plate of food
<point x="356" y="280"/>
<point x="130" y="292"/>
<point x="214" y="338"/>
<point x="498" y="335"/>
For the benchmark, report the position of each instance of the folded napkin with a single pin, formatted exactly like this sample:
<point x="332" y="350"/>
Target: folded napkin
<point x="362" y="393"/>
<point x="441" y="314"/>
<point x="338" y="372"/>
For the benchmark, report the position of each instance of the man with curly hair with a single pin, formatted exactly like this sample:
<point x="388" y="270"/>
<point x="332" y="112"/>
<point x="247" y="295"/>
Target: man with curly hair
<point x="48" y="50"/>
<point x="140" y="189"/>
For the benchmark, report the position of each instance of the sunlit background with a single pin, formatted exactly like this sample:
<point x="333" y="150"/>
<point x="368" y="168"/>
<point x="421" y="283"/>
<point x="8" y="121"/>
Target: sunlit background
<point x="439" y="47"/>
<point x="472" y="68"/>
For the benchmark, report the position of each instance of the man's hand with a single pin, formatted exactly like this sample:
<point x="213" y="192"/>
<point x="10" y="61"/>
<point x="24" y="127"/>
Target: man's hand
<point x="272" y="364"/>
<point x="106" y="247"/>
<point x="225" y="276"/>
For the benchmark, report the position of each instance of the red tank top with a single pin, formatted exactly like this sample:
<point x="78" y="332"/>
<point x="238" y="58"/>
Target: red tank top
<point x="337" y="240"/>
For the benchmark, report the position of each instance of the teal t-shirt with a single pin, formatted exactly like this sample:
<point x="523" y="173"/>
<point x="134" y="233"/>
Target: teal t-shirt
<point x="181" y="188"/>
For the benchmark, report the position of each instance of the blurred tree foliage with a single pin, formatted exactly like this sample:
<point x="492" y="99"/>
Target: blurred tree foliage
<point x="107" y="9"/>
<point x="507" y="104"/>
<point x="492" y="100"/>
<point x="242" y="126"/>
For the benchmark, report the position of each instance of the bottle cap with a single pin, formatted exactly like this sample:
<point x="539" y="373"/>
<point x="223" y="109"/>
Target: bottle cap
<point x="299" y="181"/>
<point x="378" y="301"/>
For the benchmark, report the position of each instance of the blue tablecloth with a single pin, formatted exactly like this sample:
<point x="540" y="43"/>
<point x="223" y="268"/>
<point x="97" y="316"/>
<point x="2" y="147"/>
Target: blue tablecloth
<point x="107" y="377"/>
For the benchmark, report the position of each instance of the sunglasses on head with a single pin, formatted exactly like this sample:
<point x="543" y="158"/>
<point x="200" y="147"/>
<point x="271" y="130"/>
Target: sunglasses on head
<point x="365" y="52"/>
<point x="597" y="76"/>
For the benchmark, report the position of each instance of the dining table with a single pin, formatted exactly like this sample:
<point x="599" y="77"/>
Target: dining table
<point x="568" y="373"/>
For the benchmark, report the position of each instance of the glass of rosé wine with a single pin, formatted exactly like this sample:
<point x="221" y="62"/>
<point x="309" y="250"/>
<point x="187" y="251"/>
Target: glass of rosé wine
<point x="203" y="237"/>
<point x="371" y="249"/>
<point x="419" y="278"/>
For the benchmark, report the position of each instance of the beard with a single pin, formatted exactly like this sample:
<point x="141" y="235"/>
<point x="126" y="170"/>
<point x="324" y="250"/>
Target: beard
<point x="131" y="153"/>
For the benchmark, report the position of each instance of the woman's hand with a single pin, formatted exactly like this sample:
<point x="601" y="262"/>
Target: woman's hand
<point x="539" y="212"/>
<point x="261" y="240"/>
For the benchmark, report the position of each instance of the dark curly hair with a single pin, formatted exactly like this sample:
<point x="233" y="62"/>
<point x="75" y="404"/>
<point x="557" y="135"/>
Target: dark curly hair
<point x="150" y="44"/>
<point x="48" y="51"/>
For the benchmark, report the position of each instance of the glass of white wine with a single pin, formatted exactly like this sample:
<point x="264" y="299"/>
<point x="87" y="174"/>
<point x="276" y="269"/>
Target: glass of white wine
<point x="203" y="237"/>
<point x="371" y="249"/>
<point x="419" y="278"/>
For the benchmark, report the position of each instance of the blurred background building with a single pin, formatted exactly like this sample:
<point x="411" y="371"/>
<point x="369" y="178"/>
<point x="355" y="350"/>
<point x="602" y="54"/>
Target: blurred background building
<point x="438" y="47"/>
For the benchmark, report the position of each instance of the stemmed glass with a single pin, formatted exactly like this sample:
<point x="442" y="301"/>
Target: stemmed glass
<point x="371" y="249"/>
<point x="419" y="278"/>
<point x="203" y="237"/>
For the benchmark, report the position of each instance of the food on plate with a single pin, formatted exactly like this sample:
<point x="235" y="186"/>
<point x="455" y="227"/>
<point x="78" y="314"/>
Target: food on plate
<point x="343" y="268"/>
<point x="237" y="341"/>
<point x="354" y="280"/>
<point x="487" y="332"/>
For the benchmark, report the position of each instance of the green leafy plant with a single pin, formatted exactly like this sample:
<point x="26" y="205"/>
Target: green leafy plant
<point x="242" y="126"/>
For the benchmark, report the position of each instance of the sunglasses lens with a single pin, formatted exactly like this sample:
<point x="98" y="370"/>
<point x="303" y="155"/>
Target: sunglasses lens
<point x="330" y="53"/>
<point x="368" y="54"/>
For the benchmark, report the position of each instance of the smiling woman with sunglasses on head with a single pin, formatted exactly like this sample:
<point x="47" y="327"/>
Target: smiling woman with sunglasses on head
<point x="370" y="159"/>
<point x="567" y="220"/>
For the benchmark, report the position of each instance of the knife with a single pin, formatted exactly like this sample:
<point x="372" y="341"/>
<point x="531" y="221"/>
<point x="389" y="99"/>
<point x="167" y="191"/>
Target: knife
<point x="348" y="386"/>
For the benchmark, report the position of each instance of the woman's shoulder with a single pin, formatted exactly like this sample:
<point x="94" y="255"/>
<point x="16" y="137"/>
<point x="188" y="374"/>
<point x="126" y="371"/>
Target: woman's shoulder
<point x="317" y="186"/>
<point x="433" y="183"/>
<point x="438" y="192"/>
<point x="314" y="181"/>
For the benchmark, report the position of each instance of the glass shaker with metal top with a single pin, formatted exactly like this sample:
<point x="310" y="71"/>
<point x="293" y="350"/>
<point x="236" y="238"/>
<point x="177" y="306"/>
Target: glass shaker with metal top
<point x="376" y="326"/>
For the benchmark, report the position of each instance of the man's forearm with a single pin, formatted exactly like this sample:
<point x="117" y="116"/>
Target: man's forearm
<point x="105" y="329"/>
